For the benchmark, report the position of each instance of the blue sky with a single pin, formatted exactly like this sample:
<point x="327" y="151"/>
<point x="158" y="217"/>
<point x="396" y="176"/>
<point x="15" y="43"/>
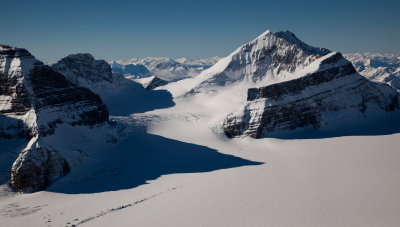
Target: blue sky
<point x="124" y="29"/>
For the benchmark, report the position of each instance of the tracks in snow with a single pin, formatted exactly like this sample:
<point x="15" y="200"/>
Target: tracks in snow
<point x="102" y="213"/>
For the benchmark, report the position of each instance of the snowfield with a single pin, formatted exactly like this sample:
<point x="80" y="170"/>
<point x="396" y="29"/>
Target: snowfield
<point x="172" y="167"/>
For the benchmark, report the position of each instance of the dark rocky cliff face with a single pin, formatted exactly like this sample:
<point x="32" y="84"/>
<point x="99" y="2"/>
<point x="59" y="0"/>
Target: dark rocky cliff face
<point x="296" y="86"/>
<point x="34" y="100"/>
<point x="30" y="87"/>
<point x="302" y="102"/>
<point x="53" y="91"/>
<point x="83" y="67"/>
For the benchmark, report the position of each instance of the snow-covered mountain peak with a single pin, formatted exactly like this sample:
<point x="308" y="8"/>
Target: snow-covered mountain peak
<point x="271" y="57"/>
<point x="291" y="38"/>
<point x="283" y="40"/>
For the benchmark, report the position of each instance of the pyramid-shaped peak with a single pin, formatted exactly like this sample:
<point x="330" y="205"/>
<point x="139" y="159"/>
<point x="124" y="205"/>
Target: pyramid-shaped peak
<point x="283" y="40"/>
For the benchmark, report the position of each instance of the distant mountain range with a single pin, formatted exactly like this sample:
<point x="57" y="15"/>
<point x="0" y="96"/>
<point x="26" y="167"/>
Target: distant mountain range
<point x="165" y="68"/>
<point x="378" y="67"/>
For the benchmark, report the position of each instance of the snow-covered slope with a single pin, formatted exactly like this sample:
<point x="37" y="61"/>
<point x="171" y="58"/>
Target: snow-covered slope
<point x="378" y="67"/>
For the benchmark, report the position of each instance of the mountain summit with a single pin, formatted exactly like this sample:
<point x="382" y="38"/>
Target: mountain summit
<point x="269" y="58"/>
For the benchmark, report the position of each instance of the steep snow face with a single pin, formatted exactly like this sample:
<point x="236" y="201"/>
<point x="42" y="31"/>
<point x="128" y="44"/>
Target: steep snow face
<point x="271" y="57"/>
<point x="331" y="93"/>
<point x="378" y="67"/>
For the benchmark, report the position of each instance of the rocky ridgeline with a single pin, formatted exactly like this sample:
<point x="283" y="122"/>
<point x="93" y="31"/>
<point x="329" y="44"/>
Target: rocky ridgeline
<point x="335" y="86"/>
<point x="34" y="100"/>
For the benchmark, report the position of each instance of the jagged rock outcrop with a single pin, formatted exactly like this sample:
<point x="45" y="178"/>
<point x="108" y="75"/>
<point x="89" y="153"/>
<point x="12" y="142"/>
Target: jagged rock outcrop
<point x="154" y="82"/>
<point x="34" y="100"/>
<point x="74" y="105"/>
<point x="314" y="99"/>
<point x="36" y="167"/>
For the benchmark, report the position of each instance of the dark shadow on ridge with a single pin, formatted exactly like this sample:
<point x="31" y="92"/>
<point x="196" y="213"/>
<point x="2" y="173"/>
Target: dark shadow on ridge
<point x="386" y="124"/>
<point x="13" y="139"/>
<point x="141" y="158"/>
